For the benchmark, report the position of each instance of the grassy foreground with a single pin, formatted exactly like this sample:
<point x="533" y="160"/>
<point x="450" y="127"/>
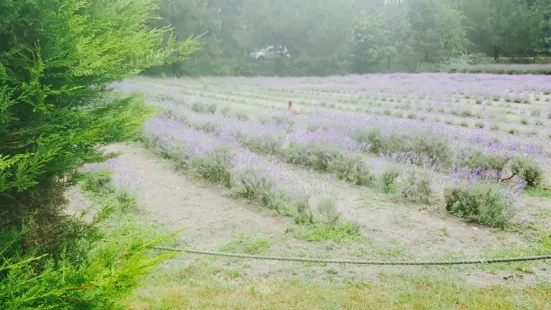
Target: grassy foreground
<point x="202" y="286"/>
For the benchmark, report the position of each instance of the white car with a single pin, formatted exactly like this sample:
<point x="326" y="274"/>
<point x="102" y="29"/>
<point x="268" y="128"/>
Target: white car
<point x="270" y="52"/>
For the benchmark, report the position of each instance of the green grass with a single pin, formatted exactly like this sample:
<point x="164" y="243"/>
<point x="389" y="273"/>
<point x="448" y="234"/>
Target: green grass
<point x="537" y="192"/>
<point x="202" y="286"/>
<point x="248" y="245"/>
<point x="322" y="232"/>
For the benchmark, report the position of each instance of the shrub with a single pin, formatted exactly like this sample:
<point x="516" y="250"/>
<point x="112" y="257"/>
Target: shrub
<point x="480" y="159"/>
<point x="388" y="181"/>
<point x="478" y="101"/>
<point x="412" y="116"/>
<point x="328" y="209"/>
<point x="214" y="166"/>
<point x="479" y="202"/>
<point x="467" y="113"/>
<point x="304" y="211"/>
<point x="242" y="116"/>
<point x="512" y="131"/>
<point x="431" y="146"/>
<point x="528" y="170"/>
<point x="207" y="127"/>
<point x="262" y="189"/>
<point x="495" y="127"/>
<point x="536" y="113"/>
<point x="416" y="187"/>
<point x="351" y="169"/>
<point x="315" y="156"/>
<point x="266" y="143"/>
<point x="479" y="125"/>
<point x="205" y="108"/>
<point x="418" y="143"/>
<point x="315" y="127"/>
<point x="373" y="138"/>
<point x="464" y="124"/>
<point x="225" y="111"/>
<point x="524" y="121"/>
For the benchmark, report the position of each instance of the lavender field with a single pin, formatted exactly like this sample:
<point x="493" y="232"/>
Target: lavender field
<point x="422" y="166"/>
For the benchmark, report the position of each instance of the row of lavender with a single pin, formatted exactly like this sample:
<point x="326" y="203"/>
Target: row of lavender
<point x="431" y="84"/>
<point x="267" y="138"/>
<point x="322" y="150"/>
<point x="453" y="102"/>
<point x="221" y="159"/>
<point x="425" y="144"/>
<point x="424" y="139"/>
<point x="528" y="123"/>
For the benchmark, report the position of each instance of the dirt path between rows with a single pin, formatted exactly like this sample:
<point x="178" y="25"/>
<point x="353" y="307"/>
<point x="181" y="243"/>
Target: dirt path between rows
<point x="209" y="218"/>
<point x="213" y="219"/>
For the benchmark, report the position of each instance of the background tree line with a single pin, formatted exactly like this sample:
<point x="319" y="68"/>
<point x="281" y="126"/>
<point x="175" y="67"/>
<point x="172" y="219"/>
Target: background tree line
<point x="333" y="37"/>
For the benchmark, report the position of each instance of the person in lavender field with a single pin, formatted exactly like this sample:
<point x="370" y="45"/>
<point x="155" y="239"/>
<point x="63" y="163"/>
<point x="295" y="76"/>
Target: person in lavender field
<point x="294" y="110"/>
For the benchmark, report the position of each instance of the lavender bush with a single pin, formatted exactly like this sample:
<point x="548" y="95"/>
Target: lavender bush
<point x="480" y="202"/>
<point x="415" y="187"/>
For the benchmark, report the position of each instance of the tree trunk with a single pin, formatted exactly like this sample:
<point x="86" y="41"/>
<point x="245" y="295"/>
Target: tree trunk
<point x="496" y="55"/>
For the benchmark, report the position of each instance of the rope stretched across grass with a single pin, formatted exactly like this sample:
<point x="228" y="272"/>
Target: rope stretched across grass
<point x="360" y="262"/>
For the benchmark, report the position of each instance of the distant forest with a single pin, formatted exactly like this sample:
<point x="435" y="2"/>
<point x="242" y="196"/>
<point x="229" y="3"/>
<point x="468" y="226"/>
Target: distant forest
<point x="354" y="36"/>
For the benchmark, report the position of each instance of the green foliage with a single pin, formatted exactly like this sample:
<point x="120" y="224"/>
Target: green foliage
<point x="537" y="192"/>
<point x="304" y="211"/>
<point x="416" y="187"/>
<point x="317" y="156"/>
<point x="324" y="37"/>
<point x="479" y="202"/>
<point x="328" y="209"/>
<point x="437" y="29"/>
<point x="528" y="170"/>
<point x="351" y="169"/>
<point x="95" y="267"/>
<point x="207" y="108"/>
<point x="381" y="36"/>
<point x="499" y="28"/>
<point x="266" y="143"/>
<point x="388" y="181"/>
<point x="480" y="159"/>
<point x="58" y="58"/>
<point x="248" y="245"/>
<point x="434" y="148"/>
<point x="254" y="186"/>
<point x="340" y="233"/>
<point x="214" y="166"/>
